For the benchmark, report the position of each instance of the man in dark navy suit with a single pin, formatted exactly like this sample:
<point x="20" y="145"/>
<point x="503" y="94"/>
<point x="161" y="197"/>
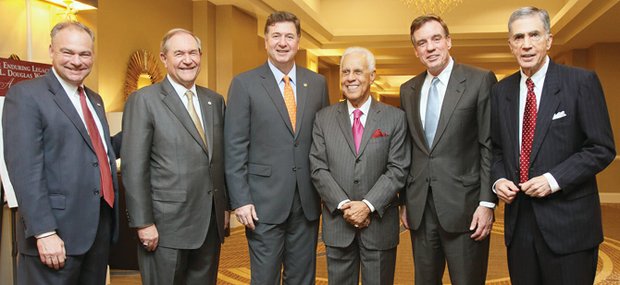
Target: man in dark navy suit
<point x="551" y="135"/>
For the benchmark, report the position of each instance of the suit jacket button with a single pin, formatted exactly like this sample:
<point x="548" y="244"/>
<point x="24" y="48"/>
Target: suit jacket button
<point x="95" y="164"/>
<point x="96" y="192"/>
<point x="294" y="168"/>
<point x="357" y="160"/>
<point x="296" y="144"/>
<point x="356" y="181"/>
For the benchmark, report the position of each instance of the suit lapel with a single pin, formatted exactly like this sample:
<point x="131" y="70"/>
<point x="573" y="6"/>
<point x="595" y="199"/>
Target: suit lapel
<point x="173" y="102"/>
<point x="548" y="105"/>
<point x="273" y="91"/>
<point x="302" y="94"/>
<point x="511" y="113"/>
<point x="344" y="121"/>
<point x="64" y="103"/>
<point x="372" y="122"/>
<point x="454" y="92"/>
<point x="419" y="137"/>
<point x="206" y="108"/>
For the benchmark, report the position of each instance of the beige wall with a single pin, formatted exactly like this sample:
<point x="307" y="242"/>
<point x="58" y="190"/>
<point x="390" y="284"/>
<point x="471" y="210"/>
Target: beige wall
<point x="604" y="59"/>
<point x="127" y="26"/>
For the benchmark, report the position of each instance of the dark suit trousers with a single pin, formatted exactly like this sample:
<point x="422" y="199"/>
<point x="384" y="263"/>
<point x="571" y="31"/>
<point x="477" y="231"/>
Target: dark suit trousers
<point x="172" y="266"/>
<point x="290" y="247"/>
<point x="86" y="269"/>
<point x="343" y="265"/>
<point x="531" y="262"/>
<point x="433" y="246"/>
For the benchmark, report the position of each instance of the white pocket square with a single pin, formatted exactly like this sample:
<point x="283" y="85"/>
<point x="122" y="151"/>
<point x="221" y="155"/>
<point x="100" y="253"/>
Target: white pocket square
<point x="558" y="115"/>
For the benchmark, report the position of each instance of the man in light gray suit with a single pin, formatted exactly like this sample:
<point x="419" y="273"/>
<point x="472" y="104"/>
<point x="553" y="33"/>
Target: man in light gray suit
<point x="267" y="137"/>
<point x="359" y="158"/>
<point x="173" y="170"/>
<point x="448" y="200"/>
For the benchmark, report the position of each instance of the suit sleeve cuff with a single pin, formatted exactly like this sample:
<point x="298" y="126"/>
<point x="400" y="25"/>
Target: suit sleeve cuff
<point x="370" y="206"/>
<point x="555" y="187"/>
<point x="489" y="205"/>
<point x="342" y="203"/>
<point x="45" y="234"/>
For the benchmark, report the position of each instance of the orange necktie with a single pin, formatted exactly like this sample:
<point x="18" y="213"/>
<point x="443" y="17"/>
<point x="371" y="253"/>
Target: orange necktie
<point x="289" y="100"/>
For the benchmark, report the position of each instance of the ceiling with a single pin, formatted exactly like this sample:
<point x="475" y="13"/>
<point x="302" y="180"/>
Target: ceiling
<point x="478" y="29"/>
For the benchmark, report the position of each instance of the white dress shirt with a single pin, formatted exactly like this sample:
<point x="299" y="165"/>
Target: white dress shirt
<point x="180" y="90"/>
<point x="292" y="75"/>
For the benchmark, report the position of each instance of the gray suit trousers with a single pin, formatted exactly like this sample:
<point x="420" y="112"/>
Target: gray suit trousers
<point x="433" y="246"/>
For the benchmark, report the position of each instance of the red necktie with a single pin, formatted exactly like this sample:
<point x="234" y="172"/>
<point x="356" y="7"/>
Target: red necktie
<point x="107" y="189"/>
<point x="527" y="131"/>
<point x="358" y="129"/>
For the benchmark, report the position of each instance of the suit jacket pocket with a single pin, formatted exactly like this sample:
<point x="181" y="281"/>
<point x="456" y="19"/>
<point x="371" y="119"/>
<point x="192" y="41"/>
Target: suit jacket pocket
<point x="470" y="179"/>
<point x="259" y="169"/>
<point x="57" y="201"/>
<point x="169" y="195"/>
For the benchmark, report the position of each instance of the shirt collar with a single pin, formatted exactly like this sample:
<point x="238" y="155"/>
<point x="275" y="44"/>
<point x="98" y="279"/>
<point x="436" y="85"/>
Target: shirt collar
<point x="365" y="108"/>
<point x="180" y="89"/>
<point x="444" y="76"/>
<point x="539" y="76"/>
<point x="279" y="75"/>
<point x="69" y="88"/>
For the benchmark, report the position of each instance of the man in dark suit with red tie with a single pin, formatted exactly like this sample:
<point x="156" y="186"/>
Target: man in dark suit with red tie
<point x="551" y="135"/>
<point x="61" y="163"/>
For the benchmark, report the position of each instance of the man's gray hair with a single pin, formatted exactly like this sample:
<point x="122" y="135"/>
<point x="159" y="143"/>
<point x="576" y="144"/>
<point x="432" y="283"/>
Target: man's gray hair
<point x="528" y="12"/>
<point x="370" y="58"/>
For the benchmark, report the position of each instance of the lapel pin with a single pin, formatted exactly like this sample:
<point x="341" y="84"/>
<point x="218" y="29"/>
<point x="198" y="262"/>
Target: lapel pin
<point x="209" y="102"/>
<point x="99" y="105"/>
<point x="305" y="84"/>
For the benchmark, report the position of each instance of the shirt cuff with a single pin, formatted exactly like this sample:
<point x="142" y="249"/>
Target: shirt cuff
<point x="555" y="187"/>
<point x="493" y="187"/>
<point x="45" y="234"/>
<point x="342" y="203"/>
<point x="370" y="206"/>
<point x="487" y="204"/>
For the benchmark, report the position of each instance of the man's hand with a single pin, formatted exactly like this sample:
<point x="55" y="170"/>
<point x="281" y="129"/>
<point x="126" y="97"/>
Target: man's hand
<point x="536" y="187"/>
<point x="482" y="222"/>
<point x="506" y="190"/>
<point x="246" y="215"/>
<point x="149" y="237"/>
<point x="403" y="216"/>
<point x="52" y="251"/>
<point x="356" y="213"/>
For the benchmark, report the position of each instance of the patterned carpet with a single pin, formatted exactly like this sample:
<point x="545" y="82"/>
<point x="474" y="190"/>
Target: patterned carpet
<point x="235" y="268"/>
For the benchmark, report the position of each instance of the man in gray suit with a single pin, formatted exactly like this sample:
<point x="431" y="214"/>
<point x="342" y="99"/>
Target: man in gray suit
<point x="448" y="200"/>
<point x="359" y="158"/>
<point x="173" y="170"/>
<point x="267" y="137"/>
<point x="61" y="163"/>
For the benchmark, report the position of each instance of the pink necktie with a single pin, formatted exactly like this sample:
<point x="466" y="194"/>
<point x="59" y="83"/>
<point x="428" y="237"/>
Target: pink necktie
<point x="105" y="175"/>
<point x="358" y="129"/>
<point x="527" y="132"/>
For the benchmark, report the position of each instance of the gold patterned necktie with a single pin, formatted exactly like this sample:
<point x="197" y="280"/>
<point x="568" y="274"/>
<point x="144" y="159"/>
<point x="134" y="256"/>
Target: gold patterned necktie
<point x="192" y="113"/>
<point x="289" y="100"/>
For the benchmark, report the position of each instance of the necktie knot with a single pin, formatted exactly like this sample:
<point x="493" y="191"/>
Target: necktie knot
<point x="80" y="91"/>
<point x="435" y="81"/>
<point x="357" y="113"/>
<point x="530" y="84"/>
<point x="189" y="94"/>
<point x="286" y="79"/>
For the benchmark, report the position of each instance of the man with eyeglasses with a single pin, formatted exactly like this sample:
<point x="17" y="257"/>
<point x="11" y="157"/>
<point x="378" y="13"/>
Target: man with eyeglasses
<point x="551" y="135"/>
